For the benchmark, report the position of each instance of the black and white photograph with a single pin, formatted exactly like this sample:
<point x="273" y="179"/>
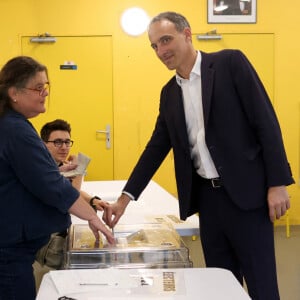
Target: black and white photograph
<point x="231" y="11"/>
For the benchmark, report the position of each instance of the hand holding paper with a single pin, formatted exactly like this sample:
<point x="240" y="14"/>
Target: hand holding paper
<point x="82" y="163"/>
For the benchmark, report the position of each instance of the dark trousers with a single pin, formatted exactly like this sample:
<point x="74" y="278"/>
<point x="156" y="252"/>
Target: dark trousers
<point x="237" y="240"/>
<point x="16" y="272"/>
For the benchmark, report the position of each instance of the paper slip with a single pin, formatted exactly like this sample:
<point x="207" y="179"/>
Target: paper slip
<point x="80" y="281"/>
<point x="83" y="162"/>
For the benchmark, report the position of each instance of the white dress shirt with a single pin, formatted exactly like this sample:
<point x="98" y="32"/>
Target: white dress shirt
<point x="192" y="101"/>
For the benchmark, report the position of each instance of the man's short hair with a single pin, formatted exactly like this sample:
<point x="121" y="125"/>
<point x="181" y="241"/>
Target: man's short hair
<point x="57" y="124"/>
<point x="177" y="19"/>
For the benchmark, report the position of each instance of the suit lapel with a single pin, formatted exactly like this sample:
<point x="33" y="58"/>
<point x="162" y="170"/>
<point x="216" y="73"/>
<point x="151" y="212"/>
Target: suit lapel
<point x="207" y="75"/>
<point x="177" y="112"/>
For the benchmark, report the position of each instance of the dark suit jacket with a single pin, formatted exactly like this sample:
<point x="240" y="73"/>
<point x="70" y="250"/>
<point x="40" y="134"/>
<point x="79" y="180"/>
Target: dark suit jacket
<point x="242" y="135"/>
<point x="36" y="197"/>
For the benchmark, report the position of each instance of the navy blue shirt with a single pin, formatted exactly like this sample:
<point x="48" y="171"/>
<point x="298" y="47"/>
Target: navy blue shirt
<point x="35" y="198"/>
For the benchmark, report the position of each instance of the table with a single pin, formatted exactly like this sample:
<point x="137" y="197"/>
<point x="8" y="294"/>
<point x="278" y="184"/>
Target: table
<point x="154" y="204"/>
<point x="142" y="284"/>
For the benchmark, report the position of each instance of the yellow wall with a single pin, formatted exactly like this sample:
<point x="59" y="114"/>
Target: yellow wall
<point x="138" y="75"/>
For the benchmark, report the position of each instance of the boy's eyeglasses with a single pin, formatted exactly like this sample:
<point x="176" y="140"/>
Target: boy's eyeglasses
<point x="59" y="143"/>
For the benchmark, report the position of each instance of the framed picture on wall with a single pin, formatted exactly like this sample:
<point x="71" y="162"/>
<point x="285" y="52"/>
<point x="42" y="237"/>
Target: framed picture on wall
<point x="231" y="11"/>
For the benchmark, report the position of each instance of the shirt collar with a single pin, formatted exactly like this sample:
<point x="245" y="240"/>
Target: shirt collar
<point x="194" y="73"/>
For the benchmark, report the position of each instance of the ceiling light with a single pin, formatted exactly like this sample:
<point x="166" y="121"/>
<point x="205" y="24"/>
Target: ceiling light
<point x="134" y="21"/>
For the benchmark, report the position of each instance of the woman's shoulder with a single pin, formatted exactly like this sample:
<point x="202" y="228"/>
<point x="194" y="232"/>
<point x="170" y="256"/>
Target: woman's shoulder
<point x="11" y="118"/>
<point x="14" y="125"/>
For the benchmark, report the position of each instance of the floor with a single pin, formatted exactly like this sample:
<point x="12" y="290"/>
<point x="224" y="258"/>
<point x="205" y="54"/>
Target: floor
<point x="287" y="255"/>
<point x="288" y="262"/>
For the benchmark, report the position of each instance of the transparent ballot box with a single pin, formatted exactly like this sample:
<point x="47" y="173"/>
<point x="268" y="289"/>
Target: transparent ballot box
<point x="155" y="245"/>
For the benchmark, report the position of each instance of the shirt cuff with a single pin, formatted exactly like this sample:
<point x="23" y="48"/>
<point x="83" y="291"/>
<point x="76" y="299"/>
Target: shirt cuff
<point x="129" y="195"/>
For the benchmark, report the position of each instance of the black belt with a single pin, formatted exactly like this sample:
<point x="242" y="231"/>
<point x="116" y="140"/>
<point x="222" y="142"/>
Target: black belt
<point x="214" y="182"/>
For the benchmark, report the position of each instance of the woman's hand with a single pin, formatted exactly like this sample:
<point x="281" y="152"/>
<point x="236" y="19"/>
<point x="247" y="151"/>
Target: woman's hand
<point x="96" y="225"/>
<point x="83" y="210"/>
<point x="100" y="204"/>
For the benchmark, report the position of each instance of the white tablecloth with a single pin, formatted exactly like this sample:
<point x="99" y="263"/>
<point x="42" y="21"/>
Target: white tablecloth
<point x="142" y="284"/>
<point x="155" y="203"/>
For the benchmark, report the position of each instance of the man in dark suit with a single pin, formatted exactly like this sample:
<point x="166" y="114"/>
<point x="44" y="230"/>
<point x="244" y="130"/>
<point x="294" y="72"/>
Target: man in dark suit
<point x="229" y="157"/>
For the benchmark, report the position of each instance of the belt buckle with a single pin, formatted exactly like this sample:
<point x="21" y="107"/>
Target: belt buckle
<point x="215" y="182"/>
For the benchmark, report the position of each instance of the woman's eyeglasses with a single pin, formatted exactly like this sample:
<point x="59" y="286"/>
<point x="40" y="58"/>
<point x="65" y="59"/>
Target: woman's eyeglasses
<point x="41" y="90"/>
<point x="59" y="143"/>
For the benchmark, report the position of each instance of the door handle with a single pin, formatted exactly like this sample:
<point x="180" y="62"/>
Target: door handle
<point x="107" y="134"/>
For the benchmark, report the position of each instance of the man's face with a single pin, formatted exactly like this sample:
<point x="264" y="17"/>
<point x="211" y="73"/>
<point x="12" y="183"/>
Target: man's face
<point x="170" y="45"/>
<point x="59" y="154"/>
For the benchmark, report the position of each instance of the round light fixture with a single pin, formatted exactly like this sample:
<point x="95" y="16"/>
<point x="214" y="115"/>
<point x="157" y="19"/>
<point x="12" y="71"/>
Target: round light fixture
<point x="134" y="21"/>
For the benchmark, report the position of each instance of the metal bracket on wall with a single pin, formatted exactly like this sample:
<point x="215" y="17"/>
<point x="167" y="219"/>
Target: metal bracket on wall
<point x="43" y="38"/>
<point x="210" y="35"/>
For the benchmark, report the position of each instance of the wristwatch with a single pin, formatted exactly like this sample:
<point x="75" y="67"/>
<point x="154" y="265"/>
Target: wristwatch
<point x="91" y="202"/>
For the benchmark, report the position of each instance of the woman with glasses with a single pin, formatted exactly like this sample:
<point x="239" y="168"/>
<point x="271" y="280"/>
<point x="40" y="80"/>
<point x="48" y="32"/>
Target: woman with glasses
<point x="36" y="199"/>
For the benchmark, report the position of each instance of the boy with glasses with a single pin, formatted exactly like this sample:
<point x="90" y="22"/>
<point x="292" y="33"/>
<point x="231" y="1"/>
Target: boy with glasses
<point x="57" y="138"/>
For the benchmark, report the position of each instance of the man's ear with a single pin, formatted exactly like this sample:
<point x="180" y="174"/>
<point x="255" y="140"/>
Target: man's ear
<point x="188" y="33"/>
